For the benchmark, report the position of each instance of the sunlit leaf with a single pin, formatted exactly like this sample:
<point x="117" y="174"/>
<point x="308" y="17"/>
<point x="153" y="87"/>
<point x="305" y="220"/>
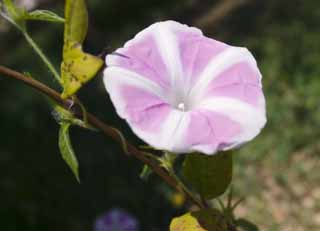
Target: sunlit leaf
<point x="43" y="15"/>
<point x="203" y="220"/>
<point x="210" y="176"/>
<point x="66" y="149"/>
<point x="77" y="67"/>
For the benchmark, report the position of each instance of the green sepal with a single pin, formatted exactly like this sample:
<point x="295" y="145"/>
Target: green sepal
<point x="145" y="173"/>
<point x="210" y="176"/>
<point x="203" y="220"/>
<point x="64" y="116"/>
<point x="66" y="149"/>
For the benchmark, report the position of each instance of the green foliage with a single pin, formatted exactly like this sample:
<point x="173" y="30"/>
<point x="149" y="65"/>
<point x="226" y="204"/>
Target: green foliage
<point x="246" y="225"/>
<point x="287" y="51"/>
<point x="76" y="16"/>
<point x="203" y="220"/>
<point x="43" y="15"/>
<point x="77" y="67"/>
<point x="15" y="14"/>
<point x="18" y="16"/>
<point x="210" y="176"/>
<point x="145" y="173"/>
<point x="65" y="116"/>
<point x="66" y="149"/>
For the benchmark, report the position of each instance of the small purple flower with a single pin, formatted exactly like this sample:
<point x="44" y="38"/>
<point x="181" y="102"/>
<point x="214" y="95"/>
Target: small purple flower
<point x="183" y="92"/>
<point x="116" y="220"/>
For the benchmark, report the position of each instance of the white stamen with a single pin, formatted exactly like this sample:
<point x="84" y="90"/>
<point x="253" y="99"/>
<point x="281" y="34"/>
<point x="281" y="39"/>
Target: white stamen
<point x="181" y="106"/>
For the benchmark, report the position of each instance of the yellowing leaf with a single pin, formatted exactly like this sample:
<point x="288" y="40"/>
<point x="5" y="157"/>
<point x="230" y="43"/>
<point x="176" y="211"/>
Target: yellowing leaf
<point x="203" y="220"/>
<point x="77" y="68"/>
<point x="76" y="16"/>
<point x="210" y="176"/>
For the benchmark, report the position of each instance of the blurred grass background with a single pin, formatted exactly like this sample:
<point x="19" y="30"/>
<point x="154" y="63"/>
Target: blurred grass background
<point x="278" y="172"/>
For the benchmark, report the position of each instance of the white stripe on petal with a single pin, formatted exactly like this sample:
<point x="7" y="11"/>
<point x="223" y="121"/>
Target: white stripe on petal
<point x="171" y="135"/>
<point x="168" y="47"/>
<point x="251" y="119"/>
<point x="216" y="66"/>
<point x="173" y="131"/>
<point x="113" y="75"/>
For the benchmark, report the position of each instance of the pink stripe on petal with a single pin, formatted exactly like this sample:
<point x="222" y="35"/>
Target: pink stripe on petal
<point x="141" y="55"/>
<point x="143" y="109"/>
<point x="196" y="51"/>
<point x="240" y="81"/>
<point x="210" y="131"/>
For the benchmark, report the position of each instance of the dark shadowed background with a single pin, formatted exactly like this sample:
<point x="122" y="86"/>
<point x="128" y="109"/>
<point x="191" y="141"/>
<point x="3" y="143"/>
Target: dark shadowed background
<point x="278" y="172"/>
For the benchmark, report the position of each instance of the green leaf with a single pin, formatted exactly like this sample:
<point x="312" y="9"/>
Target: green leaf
<point x="15" y="14"/>
<point x="76" y="16"/>
<point x="203" y="220"/>
<point x="67" y="151"/>
<point x="43" y="15"/>
<point x="77" y="67"/>
<point x="210" y="176"/>
<point x="12" y="10"/>
<point x="246" y="225"/>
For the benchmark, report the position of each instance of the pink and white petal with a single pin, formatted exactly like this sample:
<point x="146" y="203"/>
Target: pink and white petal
<point x="135" y="98"/>
<point x="217" y="66"/>
<point x="249" y="118"/>
<point x="209" y="131"/>
<point x="142" y="56"/>
<point x="196" y="51"/>
<point x="141" y="103"/>
<point x="241" y="81"/>
<point x="169" y="136"/>
<point x="152" y="53"/>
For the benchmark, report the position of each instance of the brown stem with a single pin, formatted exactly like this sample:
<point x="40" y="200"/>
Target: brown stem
<point x="98" y="124"/>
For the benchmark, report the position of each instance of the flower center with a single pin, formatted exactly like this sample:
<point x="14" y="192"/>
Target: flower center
<point x="182" y="106"/>
<point x="180" y="100"/>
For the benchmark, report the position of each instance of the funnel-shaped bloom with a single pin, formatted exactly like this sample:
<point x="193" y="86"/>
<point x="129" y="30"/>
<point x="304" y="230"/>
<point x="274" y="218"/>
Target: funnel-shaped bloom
<point x="182" y="92"/>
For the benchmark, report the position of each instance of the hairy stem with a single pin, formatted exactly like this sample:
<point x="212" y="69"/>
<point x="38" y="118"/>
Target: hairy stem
<point x="44" y="58"/>
<point x="104" y="128"/>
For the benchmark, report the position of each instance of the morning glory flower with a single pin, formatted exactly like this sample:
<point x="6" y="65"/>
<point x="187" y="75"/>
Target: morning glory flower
<point x="116" y="220"/>
<point x="183" y="92"/>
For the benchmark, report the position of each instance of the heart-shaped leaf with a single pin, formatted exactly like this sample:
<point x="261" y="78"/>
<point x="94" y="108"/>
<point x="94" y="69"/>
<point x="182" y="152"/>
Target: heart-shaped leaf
<point x="77" y="67"/>
<point x="210" y="176"/>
